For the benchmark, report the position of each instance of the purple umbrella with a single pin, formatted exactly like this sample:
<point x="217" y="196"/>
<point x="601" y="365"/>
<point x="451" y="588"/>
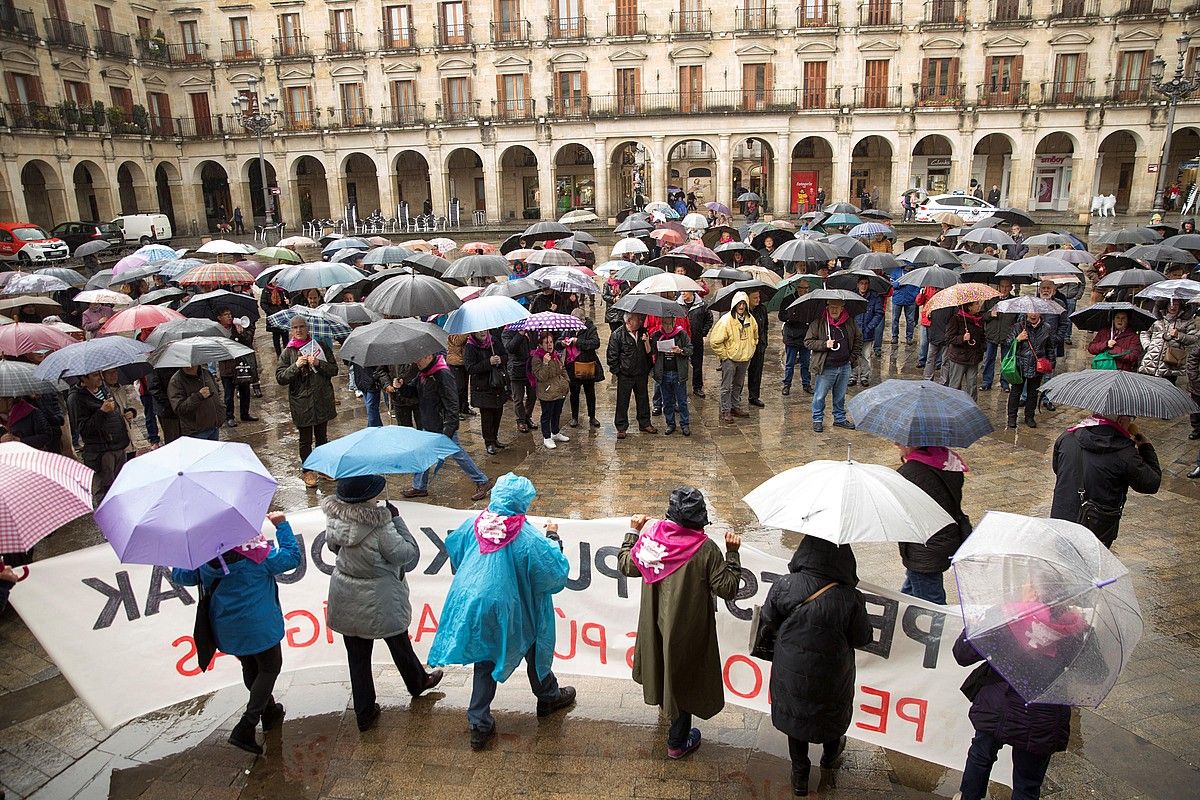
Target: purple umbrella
<point x="547" y="321"/>
<point x="129" y="262"/>
<point x="186" y="503"/>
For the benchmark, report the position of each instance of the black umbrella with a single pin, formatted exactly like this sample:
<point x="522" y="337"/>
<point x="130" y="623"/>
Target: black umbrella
<point x="476" y="267"/>
<point x="983" y="271"/>
<point x="1118" y="392"/>
<point x="583" y="237"/>
<point x="204" y="306"/>
<point x="1160" y="254"/>
<point x="840" y="208"/>
<point x="160" y="297"/>
<point x="726" y="251"/>
<point x="670" y="261"/>
<point x="542" y="231"/>
<point x="651" y="305"/>
<point x="1138" y="277"/>
<point x="876" y="213"/>
<point x="804" y="250"/>
<point x="1013" y="216"/>
<point x="845" y="246"/>
<point x="848" y="279"/>
<point x="178" y="329"/>
<point x="429" y="264"/>
<point x="1184" y="241"/>
<point x="574" y="246"/>
<point x="724" y="298"/>
<point x="879" y="262"/>
<point x="809" y="307"/>
<point x="412" y="296"/>
<point x="929" y="255"/>
<point x="392" y="341"/>
<point x="778" y="235"/>
<point x="1129" y="236"/>
<point x="918" y="241"/>
<point x="1164" y="230"/>
<point x="989" y="222"/>
<point x="634" y="225"/>
<point x="938" y="277"/>
<point x="1033" y="268"/>
<point x="713" y="235"/>
<point x="513" y="242"/>
<point x="726" y="274"/>
<point x="1099" y="316"/>
<point x="517" y="287"/>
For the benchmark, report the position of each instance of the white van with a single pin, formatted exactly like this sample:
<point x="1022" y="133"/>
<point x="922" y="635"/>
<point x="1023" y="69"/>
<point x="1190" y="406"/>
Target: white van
<point x="145" y="228"/>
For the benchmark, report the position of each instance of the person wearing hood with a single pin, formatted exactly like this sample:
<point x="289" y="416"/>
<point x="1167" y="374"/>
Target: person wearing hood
<point x="1188" y="226"/>
<point x="734" y="340"/>
<point x="819" y="618"/>
<point x="940" y="473"/>
<point x="836" y="345"/>
<point x="630" y="360"/>
<point x="1163" y="343"/>
<point x="676" y="658"/>
<point x="1096" y="462"/>
<point x="671" y="373"/>
<point x="500" y="607"/>
<point x="965" y="345"/>
<point x="1120" y="342"/>
<point x="437" y="401"/>
<point x="247" y="620"/>
<point x="368" y="594"/>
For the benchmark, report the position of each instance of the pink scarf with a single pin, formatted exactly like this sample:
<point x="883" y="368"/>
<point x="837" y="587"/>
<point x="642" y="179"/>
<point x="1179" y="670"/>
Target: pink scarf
<point x="940" y="458"/>
<point x="1097" y="419"/>
<point x="298" y="343"/>
<point x="436" y="366"/>
<point x="678" y="329"/>
<point x="257" y="549"/>
<point x="494" y="531"/>
<point x="485" y="343"/>
<point x="1037" y="631"/>
<point x="839" y="321"/>
<point x="535" y="355"/>
<point x="663" y="547"/>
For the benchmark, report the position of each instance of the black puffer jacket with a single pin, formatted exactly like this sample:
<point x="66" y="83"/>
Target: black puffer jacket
<point x="437" y="396"/>
<point x="517" y="345"/>
<point x="489" y="384"/>
<point x="100" y="431"/>
<point x="1111" y="465"/>
<point x="156" y="384"/>
<point x="793" y="332"/>
<point x="1041" y="344"/>
<point x="946" y="489"/>
<point x="812" y="677"/>
<point x="700" y="320"/>
<point x="588" y="342"/>
<point x="763" y="318"/>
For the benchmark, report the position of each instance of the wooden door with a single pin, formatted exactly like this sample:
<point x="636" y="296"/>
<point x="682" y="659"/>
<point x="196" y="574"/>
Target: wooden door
<point x="691" y="89"/>
<point x="815" y="77"/>
<point x="875" y="83"/>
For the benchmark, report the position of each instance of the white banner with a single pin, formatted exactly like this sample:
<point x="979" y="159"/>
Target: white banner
<point x="121" y="634"/>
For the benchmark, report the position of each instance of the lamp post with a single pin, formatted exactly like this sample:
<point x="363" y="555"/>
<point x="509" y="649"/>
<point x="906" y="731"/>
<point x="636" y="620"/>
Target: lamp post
<point x="258" y="121"/>
<point x="1179" y="87"/>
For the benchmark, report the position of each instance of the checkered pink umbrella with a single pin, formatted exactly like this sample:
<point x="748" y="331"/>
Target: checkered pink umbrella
<point x="139" y="318"/>
<point x="215" y="275"/>
<point x="39" y="493"/>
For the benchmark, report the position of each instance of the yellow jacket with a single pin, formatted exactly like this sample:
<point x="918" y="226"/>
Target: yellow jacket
<point x="732" y="338"/>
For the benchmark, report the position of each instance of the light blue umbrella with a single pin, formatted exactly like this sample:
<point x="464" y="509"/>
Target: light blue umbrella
<point x="390" y="256"/>
<point x="322" y="326"/>
<point x="484" y="314"/>
<point x="156" y="253"/>
<point x="345" y="241"/>
<point x="869" y="229"/>
<point x="346" y="255"/>
<point x="173" y="269"/>
<point x="94" y="355"/>
<point x="381" y="451"/>
<point x="315" y="275"/>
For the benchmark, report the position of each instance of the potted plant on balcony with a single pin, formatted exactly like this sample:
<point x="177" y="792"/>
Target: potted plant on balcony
<point x="98" y="115"/>
<point x="116" y="120"/>
<point x="70" y="115"/>
<point x="141" y="118"/>
<point x="157" y="44"/>
<point x="41" y="117"/>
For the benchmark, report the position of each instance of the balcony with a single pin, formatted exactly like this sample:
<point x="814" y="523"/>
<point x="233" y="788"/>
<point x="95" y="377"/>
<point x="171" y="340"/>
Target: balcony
<point x="880" y="14"/>
<point x="402" y="116"/>
<point x="65" y="33"/>
<point x="18" y="23"/>
<point x="113" y="44"/>
<point x="944" y="14"/>
<point x="239" y="50"/>
<point x="568" y="107"/>
<point x="458" y="111"/>
<point x="1129" y="91"/>
<point x="1010" y="13"/>
<point x="163" y="127"/>
<point x="513" y="33"/>
<point x="1073" y="11"/>
<point x="760" y="20"/>
<point x="452" y="37"/>
<point x="518" y="109"/>
<point x="1142" y="9"/>
<point x="34" y="117"/>
<point x="818" y="98"/>
<point x="726" y="101"/>
<point x="560" y="29"/>
<point x="293" y="46"/>
<point x="397" y="40"/>
<point x="210" y="127"/>
<point x="691" y="24"/>
<point x="1002" y="94"/>
<point x="816" y="15"/>
<point x="353" y="117"/>
<point x="939" y="95"/>
<point x="299" y="121"/>
<point x="877" y="96"/>
<point x="1068" y="93"/>
<point x="626" y="26"/>
<point x="343" y="43"/>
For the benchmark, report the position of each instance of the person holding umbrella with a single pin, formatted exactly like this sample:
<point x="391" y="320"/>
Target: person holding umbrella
<point x="868" y="323"/>
<point x="734" y="340"/>
<point x="485" y="361"/>
<point x="754" y="370"/>
<point x="551" y="386"/>
<point x="794" y="351"/>
<point x="368" y="595"/>
<point x="307" y="369"/>
<point x="192" y="393"/>
<point x="229" y="370"/>
<point x="1035" y="354"/>
<point x="676" y="658"/>
<point x="836" y="345"/>
<point x="1119" y="343"/>
<point x="995" y="329"/>
<point x="517" y="344"/>
<point x="671" y="372"/>
<point x="583" y="367"/>
<point x="940" y="473"/>
<point x="101" y="426"/>
<point x="247" y="620"/>
<point x="965" y="343"/>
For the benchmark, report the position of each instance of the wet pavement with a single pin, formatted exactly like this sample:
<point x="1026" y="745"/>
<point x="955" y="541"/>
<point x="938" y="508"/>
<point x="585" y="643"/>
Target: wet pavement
<point x="1139" y="743"/>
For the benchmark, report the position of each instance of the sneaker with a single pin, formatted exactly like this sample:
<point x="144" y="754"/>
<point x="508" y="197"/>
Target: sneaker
<point x="549" y="443"/>
<point x="670" y="430"/>
<point x="685" y="430"/>
<point x="690" y="746"/>
<point x="657" y="412"/>
<point x="847" y="424"/>
<point x="818" y="427"/>
<point x="561" y="437"/>
<point x="566" y="699"/>
<point x="480" y="737"/>
<point x="369" y="719"/>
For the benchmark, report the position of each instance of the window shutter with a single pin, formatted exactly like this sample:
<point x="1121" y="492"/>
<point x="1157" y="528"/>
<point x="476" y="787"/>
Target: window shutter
<point x="10" y="84"/>
<point x="924" y="79"/>
<point x="1081" y="68"/>
<point x="583" y="90"/>
<point x="1017" y="63"/>
<point x="768" y="80"/>
<point x="502" y="100"/>
<point x="953" y="78"/>
<point x="528" y="98"/>
<point x="557" y="93"/>
<point x="446" y="96"/>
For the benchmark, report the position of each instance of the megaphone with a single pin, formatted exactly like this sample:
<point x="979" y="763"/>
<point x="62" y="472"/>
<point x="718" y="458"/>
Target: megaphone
<point x="242" y="322"/>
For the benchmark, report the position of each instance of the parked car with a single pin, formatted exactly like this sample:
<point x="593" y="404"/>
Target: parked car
<point x="145" y="228"/>
<point x="971" y="209"/>
<point x="26" y="243"/>
<point x="76" y="233"/>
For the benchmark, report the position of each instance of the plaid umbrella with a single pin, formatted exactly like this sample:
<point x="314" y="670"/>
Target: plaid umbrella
<point x="20" y="338"/>
<point x="919" y="414"/>
<point x="548" y="321"/>
<point x="1116" y="392"/>
<point x="16" y="380"/>
<point x="215" y="275"/>
<point x="322" y="326"/>
<point x="869" y="229"/>
<point x="173" y="269"/>
<point x="39" y="493"/>
<point x="95" y="355"/>
<point x="156" y="253"/>
<point x="961" y="294"/>
<point x="35" y="284"/>
<point x="564" y="279"/>
<point x="138" y="318"/>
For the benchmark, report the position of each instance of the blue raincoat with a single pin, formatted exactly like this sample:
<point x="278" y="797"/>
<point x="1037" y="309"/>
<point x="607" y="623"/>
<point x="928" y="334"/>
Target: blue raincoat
<point x="501" y="603"/>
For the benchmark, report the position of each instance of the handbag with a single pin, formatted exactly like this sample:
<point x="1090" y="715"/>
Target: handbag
<point x="1044" y="366"/>
<point x="202" y="633"/>
<point x="584" y="370"/>
<point x="1010" y="371"/>
<point x="1106" y="360"/>
<point x="1174" y="356"/>
<point x="1100" y="519"/>
<point x="243" y="373"/>
<point x="763" y="633"/>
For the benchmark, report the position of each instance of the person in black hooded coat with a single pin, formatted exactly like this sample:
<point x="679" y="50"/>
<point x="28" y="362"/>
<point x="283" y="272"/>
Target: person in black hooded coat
<point x="812" y="676"/>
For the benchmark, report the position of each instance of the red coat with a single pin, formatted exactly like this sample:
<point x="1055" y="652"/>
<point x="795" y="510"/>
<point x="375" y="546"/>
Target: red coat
<point x="1128" y="350"/>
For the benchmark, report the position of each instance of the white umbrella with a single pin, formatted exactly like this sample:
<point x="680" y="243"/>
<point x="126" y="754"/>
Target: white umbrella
<point x="762" y="274"/>
<point x="666" y="282"/>
<point x="577" y="216"/>
<point x="297" y="241"/>
<point x="846" y="502"/>
<point x="444" y="244"/>
<point x="695" y="221"/>
<point x="104" y="297"/>
<point x="626" y="246"/>
<point x="224" y="247"/>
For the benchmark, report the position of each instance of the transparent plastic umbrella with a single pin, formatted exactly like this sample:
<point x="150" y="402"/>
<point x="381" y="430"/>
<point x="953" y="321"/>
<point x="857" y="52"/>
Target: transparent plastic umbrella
<point x="1049" y="607"/>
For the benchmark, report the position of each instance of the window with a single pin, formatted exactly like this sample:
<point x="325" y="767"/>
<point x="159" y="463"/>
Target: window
<point x="404" y="101"/>
<point x="1132" y="67"/>
<point x="297" y="107"/>
<point x="58" y="10"/>
<point x="568" y="93"/>
<point x="1072" y="8"/>
<point x="567" y="21"/>
<point x="454" y="22"/>
<point x="691" y="17"/>
<point x="78" y="93"/>
<point x="756" y="86"/>
<point x="201" y="114"/>
<point x="943" y="12"/>
<point x="290" y="41"/>
<point x="814" y="13"/>
<point x="815" y="84"/>
<point x="239" y="34"/>
<point x="514" y="96"/>
<point x="397" y="27"/>
<point x="159" y="106"/>
<point x="691" y="89"/>
<point x="103" y="18"/>
<point x="189" y="34"/>
<point x="143" y="24"/>
<point x="1002" y="78"/>
<point x="939" y="81"/>
<point x="879" y="12"/>
<point x="353" y="104"/>
<point x="754" y="15"/>
<point x="509" y="25"/>
<point x="629" y="90"/>
<point x="122" y="98"/>
<point x="341" y="30"/>
<point x="24" y="89"/>
<point x="875" y="83"/>
<point x="457" y="96"/>
<point x="1008" y="9"/>
<point x="1069" y="72"/>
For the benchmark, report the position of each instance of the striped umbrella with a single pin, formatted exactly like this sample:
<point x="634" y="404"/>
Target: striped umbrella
<point x="139" y="318"/>
<point x="1115" y="393"/>
<point x="215" y="275"/>
<point x="39" y="493"/>
<point x="919" y="414"/>
<point x="961" y="294"/>
<point x="16" y="380"/>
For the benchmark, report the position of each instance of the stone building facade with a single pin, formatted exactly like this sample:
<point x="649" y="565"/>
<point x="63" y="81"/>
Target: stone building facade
<point x="527" y="108"/>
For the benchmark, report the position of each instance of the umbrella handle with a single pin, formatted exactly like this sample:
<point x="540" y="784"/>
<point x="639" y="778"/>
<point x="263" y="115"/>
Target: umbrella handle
<point x="836" y="346"/>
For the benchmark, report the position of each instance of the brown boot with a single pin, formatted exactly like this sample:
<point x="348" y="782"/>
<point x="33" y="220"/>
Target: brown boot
<point x="737" y="412"/>
<point x="727" y="418"/>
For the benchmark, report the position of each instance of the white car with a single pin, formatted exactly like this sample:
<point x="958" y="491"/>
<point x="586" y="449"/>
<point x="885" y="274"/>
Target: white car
<point x="145" y="228"/>
<point x="971" y="209"/>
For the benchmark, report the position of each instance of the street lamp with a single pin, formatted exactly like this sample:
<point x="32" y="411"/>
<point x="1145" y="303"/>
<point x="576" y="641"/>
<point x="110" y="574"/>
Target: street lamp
<point x="258" y="121"/>
<point x="1179" y="87"/>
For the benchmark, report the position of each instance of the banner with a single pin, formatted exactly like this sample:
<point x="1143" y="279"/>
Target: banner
<point x="121" y="634"/>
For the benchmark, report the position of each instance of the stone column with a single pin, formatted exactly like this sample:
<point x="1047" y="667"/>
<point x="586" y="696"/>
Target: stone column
<point x="781" y="178"/>
<point x="1141" y="193"/>
<point x="335" y="181"/>
<point x="901" y="178"/>
<point x="387" y="184"/>
<point x="12" y="179"/>
<point x="546" y="181"/>
<point x="439" y="178"/>
<point x="840" y="190"/>
<point x="491" y="185"/>
<point x="600" y="174"/>
<point x="724" y="172"/>
<point x="70" y="201"/>
<point x="658" y="169"/>
<point x="1083" y="168"/>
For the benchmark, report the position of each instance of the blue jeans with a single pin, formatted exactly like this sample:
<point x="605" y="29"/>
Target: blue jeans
<point x="792" y="355"/>
<point x="212" y="433"/>
<point x="371" y="403"/>
<point x="989" y="367"/>
<point x="674" y="396"/>
<point x="464" y="461"/>
<point x="925" y="585"/>
<point x="923" y="346"/>
<point x="909" y="312"/>
<point x="151" y="417"/>
<point x="878" y="338"/>
<point x="483" y="691"/>
<point x="835" y="378"/>
<point x="1029" y="769"/>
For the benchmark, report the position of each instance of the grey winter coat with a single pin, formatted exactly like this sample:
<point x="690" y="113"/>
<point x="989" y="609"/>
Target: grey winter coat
<point x="368" y="595"/>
